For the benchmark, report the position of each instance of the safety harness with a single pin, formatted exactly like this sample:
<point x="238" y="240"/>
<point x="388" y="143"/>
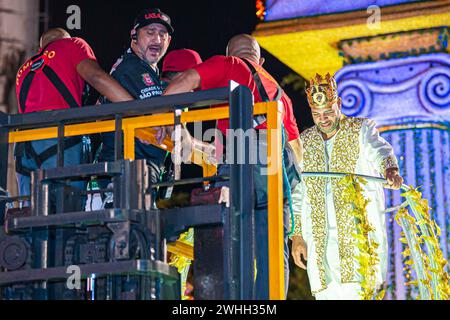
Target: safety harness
<point x="40" y="64"/>
<point x="259" y="119"/>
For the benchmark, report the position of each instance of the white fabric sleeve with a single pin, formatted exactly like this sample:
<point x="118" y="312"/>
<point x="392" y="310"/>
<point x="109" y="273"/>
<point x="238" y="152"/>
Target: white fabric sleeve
<point x="376" y="149"/>
<point x="297" y="201"/>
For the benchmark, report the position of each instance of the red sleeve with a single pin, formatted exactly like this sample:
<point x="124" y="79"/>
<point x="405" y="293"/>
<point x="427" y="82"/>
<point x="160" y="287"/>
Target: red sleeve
<point x="213" y="72"/>
<point x="289" y="121"/>
<point x="80" y="51"/>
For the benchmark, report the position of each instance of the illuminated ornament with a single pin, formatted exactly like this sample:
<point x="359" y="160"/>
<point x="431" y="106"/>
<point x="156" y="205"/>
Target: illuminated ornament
<point x="319" y="98"/>
<point x="322" y="92"/>
<point x="182" y="263"/>
<point x="260" y="9"/>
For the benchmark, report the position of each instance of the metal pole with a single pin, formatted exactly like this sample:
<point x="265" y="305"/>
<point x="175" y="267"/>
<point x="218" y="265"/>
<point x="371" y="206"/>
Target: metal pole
<point x="118" y="141"/>
<point x="60" y="146"/>
<point x="275" y="202"/>
<point x="4" y="148"/>
<point x="242" y="227"/>
<point x="343" y="174"/>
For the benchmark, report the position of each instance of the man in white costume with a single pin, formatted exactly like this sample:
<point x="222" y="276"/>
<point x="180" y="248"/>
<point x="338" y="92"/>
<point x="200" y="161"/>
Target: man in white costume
<point x="323" y="221"/>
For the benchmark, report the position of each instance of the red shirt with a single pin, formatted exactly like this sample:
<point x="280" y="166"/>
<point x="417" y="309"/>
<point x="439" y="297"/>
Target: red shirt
<point x="63" y="56"/>
<point x="217" y="72"/>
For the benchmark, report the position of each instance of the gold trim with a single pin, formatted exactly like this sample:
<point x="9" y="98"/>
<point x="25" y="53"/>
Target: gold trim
<point x="343" y="159"/>
<point x="344" y="156"/>
<point x="181" y="249"/>
<point x="314" y="160"/>
<point x="297" y="225"/>
<point x="414" y="126"/>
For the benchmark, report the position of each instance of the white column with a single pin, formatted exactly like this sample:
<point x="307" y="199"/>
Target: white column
<point x="19" y="40"/>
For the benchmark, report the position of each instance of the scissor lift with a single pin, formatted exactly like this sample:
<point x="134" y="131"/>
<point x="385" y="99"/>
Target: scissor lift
<point x="122" y="252"/>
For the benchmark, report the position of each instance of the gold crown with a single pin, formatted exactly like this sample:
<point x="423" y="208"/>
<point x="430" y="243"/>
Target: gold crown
<point x="322" y="92"/>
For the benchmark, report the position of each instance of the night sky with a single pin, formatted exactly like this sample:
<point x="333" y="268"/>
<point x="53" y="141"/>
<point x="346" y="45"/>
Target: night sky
<point x="202" y="25"/>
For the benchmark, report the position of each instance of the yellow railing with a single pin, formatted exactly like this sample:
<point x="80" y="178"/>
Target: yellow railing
<point x="275" y="182"/>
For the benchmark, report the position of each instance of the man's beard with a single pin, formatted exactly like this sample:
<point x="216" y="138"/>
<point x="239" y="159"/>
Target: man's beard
<point x="144" y="54"/>
<point x="152" y="58"/>
<point x="334" y="127"/>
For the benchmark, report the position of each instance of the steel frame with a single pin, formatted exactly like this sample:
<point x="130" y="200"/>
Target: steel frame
<point x="130" y="116"/>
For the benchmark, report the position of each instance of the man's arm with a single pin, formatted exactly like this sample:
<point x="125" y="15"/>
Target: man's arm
<point x="186" y="82"/>
<point x="299" y="248"/>
<point x="106" y="85"/>
<point x="380" y="152"/>
<point x="394" y="180"/>
<point x="297" y="147"/>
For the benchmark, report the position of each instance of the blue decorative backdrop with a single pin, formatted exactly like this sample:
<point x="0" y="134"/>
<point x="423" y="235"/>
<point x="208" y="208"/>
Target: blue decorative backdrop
<point x="410" y="101"/>
<point x="286" y="9"/>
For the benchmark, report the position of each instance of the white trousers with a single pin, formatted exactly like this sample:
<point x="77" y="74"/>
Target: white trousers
<point x="340" y="291"/>
<point x="335" y="289"/>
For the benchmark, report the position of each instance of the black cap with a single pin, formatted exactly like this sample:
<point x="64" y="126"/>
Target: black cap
<point x="149" y="16"/>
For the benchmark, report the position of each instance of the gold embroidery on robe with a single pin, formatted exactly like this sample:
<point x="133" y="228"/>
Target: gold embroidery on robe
<point x="297" y="226"/>
<point x="314" y="161"/>
<point x="387" y="163"/>
<point x="343" y="159"/>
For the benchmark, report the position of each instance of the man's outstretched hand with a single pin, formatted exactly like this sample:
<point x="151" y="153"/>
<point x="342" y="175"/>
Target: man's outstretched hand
<point x="162" y="132"/>
<point x="394" y="181"/>
<point x="299" y="250"/>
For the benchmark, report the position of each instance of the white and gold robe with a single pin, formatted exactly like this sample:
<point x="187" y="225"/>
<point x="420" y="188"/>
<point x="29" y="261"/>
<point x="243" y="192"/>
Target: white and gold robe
<point x="322" y="216"/>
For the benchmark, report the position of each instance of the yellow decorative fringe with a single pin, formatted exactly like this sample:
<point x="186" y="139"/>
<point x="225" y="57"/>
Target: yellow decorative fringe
<point x="436" y="279"/>
<point x="182" y="263"/>
<point x="419" y="231"/>
<point x="367" y="248"/>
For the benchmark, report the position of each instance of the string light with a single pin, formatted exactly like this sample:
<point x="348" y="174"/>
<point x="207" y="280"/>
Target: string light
<point x="260" y="9"/>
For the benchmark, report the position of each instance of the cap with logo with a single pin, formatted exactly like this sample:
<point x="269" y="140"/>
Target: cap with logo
<point x="181" y="60"/>
<point x="154" y="15"/>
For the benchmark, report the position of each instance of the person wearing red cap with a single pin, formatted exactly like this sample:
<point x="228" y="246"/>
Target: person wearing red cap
<point x="55" y="79"/>
<point x="178" y="61"/>
<point x="243" y="64"/>
<point x="174" y="64"/>
<point x="137" y="71"/>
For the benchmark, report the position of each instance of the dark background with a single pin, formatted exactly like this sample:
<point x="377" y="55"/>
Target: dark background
<point x="202" y="25"/>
